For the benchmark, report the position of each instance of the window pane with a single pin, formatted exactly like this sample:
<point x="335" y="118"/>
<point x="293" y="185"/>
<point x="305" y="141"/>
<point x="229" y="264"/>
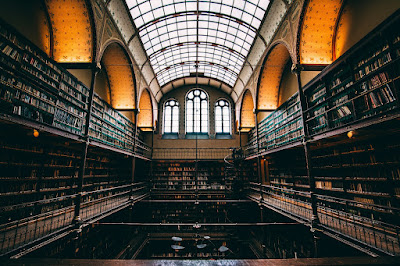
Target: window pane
<point x="204" y="128"/>
<point x="171" y="117"/>
<point x="222" y="117"/>
<point x="226" y="128"/>
<point x="218" y="123"/>
<point x="218" y="114"/>
<point x="196" y="112"/>
<point x="168" y="112"/>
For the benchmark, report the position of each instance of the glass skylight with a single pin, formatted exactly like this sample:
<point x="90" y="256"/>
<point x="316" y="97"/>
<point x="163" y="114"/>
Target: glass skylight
<point x="213" y="42"/>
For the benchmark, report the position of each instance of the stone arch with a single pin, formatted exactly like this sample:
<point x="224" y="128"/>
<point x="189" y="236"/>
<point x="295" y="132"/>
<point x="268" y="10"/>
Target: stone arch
<point x="247" y="118"/>
<point x="120" y="76"/>
<point x="270" y="77"/>
<point x="145" y="117"/>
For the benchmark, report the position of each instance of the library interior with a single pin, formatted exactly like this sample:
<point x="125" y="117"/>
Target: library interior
<point x="200" y="132"/>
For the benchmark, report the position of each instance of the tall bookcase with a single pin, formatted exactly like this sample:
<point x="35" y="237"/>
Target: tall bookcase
<point x="359" y="86"/>
<point x="287" y="169"/>
<point x="364" y="171"/>
<point x="183" y="176"/>
<point x="282" y="127"/>
<point x="36" y="88"/>
<point x="352" y="124"/>
<point x="110" y="127"/>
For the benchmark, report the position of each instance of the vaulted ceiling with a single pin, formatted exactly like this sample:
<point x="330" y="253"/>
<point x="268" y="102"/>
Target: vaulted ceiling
<point x="210" y="38"/>
<point x="175" y="41"/>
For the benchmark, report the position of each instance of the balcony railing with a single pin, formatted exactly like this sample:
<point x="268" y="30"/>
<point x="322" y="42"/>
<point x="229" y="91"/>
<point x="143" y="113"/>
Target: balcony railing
<point x="95" y="205"/>
<point x="190" y="153"/>
<point x="351" y="219"/>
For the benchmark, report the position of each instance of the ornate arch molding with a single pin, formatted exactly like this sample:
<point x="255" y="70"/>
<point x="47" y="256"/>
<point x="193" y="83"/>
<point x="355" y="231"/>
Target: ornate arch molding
<point x="267" y="96"/>
<point x="121" y="77"/>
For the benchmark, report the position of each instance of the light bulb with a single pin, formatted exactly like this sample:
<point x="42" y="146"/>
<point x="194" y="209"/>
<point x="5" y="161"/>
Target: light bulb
<point x="35" y="133"/>
<point x="350" y="134"/>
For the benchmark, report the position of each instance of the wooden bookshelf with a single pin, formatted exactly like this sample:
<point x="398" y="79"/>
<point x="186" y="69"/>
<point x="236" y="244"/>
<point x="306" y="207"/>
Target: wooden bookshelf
<point x="111" y="127"/>
<point x="282" y="127"/>
<point x="287" y="169"/>
<point x="183" y="176"/>
<point x="366" y="171"/>
<point x="361" y="85"/>
<point x="36" y="88"/>
<point x="33" y="86"/>
<point x="39" y="175"/>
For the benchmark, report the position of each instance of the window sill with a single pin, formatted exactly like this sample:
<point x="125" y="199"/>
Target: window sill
<point x="170" y="136"/>
<point x="197" y="136"/>
<point x="223" y="136"/>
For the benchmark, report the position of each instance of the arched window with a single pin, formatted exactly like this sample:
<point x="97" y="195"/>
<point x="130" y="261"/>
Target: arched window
<point x="196" y="112"/>
<point x="222" y="117"/>
<point x="171" y="116"/>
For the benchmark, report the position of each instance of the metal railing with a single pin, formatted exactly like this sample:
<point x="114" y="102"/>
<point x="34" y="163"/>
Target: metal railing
<point x="190" y="153"/>
<point x="95" y="204"/>
<point x="351" y="219"/>
<point x="142" y="149"/>
<point x="295" y="203"/>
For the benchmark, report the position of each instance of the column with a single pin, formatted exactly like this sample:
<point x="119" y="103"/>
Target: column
<point x="296" y="69"/>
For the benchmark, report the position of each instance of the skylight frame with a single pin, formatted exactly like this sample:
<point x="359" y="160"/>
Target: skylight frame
<point x="225" y="29"/>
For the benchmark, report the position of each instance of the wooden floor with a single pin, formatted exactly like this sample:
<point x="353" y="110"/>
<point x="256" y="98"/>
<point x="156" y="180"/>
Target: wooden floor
<point x="270" y="262"/>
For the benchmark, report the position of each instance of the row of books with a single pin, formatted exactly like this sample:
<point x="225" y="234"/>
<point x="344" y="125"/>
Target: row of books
<point x="11" y="52"/>
<point x="376" y="51"/>
<point x="71" y="92"/>
<point x="367" y="188"/>
<point x="68" y="119"/>
<point x="343" y="111"/>
<point x="318" y="95"/>
<point x="34" y="102"/>
<point x="379" y="97"/>
<point x="42" y="57"/>
<point x="375" y="82"/>
<point x="35" y="92"/>
<point x="341" y="76"/>
<point x="71" y="81"/>
<point x="43" y="68"/>
<point x="72" y="100"/>
<point x="30" y="113"/>
<point x="6" y="34"/>
<point x="38" y="74"/>
<point x="378" y="63"/>
<point x="109" y="126"/>
<point x="71" y="109"/>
